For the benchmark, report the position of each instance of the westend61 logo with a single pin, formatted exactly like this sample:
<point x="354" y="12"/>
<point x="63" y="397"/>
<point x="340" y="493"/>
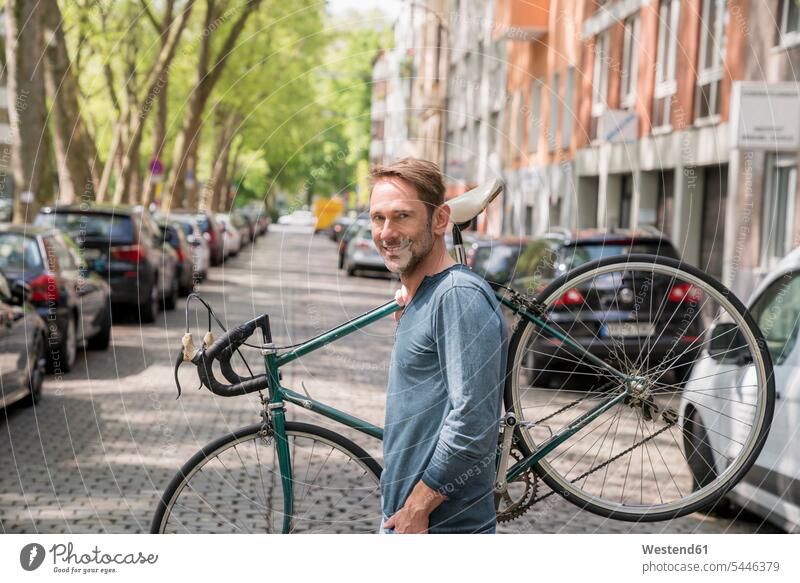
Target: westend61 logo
<point x="66" y="560"/>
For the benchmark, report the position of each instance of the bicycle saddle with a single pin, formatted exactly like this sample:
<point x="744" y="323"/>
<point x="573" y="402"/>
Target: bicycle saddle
<point x="469" y="205"/>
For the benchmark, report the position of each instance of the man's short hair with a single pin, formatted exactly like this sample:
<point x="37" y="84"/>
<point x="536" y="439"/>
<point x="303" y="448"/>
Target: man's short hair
<point x="424" y="176"/>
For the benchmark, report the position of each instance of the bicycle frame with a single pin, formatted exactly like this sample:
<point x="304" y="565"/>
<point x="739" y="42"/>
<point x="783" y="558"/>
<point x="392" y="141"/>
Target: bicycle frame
<point x="278" y="394"/>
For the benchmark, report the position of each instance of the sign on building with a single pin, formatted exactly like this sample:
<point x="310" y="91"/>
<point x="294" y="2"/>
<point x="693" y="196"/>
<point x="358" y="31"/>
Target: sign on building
<point x="765" y="116"/>
<point x="619" y="126"/>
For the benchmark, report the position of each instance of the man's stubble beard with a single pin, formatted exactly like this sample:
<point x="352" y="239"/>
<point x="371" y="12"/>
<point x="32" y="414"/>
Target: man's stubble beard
<point x="425" y="244"/>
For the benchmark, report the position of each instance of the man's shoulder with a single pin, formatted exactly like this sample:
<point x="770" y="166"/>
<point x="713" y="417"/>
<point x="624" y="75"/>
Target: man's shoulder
<point x="463" y="284"/>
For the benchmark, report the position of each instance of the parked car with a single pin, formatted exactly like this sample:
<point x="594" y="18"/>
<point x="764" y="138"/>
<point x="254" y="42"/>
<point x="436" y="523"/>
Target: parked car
<point x="720" y="382"/>
<point x="201" y="252"/>
<point x="362" y="255"/>
<point x="496" y="259"/>
<point x="6" y="207"/>
<point x="71" y="299"/>
<point x="340" y="226"/>
<point x="350" y="232"/>
<point x="299" y="218"/>
<point x="175" y="236"/>
<point x="592" y="312"/>
<point x="125" y="246"/>
<point x="23" y="346"/>
<point x="259" y="217"/>
<point x="211" y="232"/>
<point x="251" y="234"/>
<point x="232" y="234"/>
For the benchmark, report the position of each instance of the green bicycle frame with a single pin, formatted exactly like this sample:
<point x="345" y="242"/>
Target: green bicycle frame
<point x="278" y="394"/>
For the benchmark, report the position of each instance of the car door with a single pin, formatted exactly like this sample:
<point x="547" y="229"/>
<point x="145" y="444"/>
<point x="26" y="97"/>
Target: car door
<point x="89" y="289"/>
<point x="13" y="346"/>
<point x="777" y="470"/>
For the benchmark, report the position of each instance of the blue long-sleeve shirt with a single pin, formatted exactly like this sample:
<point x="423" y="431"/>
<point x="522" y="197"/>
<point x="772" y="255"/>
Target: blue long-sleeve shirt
<point x="444" y="398"/>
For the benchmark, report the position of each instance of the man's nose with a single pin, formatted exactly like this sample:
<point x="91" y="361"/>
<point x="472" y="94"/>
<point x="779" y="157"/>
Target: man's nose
<point x="388" y="231"/>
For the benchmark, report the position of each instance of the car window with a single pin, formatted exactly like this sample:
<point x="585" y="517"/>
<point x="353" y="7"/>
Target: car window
<point x="777" y="313"/>
<point x="496" y="262"/>
<point x="573" y="256"/>
<point x="65" y="259"/>
<point x="118" y="228"/>
<point x="535" y="267"/>
<point x="19" y="253"/>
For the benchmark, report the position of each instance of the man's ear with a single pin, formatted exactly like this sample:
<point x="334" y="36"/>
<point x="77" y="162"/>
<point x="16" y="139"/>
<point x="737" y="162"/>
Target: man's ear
<point x="441" y="218"/>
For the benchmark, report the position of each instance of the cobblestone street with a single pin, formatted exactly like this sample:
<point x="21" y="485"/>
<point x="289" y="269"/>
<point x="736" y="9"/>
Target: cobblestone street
<point x="99" y="449"/>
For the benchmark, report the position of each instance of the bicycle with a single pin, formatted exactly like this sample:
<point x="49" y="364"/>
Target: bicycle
<point x="605" y="364"/>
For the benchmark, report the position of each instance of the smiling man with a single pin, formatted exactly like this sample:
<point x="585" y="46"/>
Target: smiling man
<point x="446" y="376"/>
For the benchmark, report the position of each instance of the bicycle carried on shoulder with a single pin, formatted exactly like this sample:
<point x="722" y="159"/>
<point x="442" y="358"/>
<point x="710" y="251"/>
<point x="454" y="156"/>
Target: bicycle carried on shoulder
<point x="610" y="400"/>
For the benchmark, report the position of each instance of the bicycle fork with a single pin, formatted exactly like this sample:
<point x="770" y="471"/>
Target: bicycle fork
<point x="276" y="413"/>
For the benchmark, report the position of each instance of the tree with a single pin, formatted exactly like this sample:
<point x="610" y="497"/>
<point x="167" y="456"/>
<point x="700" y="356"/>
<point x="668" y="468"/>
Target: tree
<point x="207" y="75"/>
<point x="76" y="154"/>
<point x="137" y="114"/>
<point x="30" y="138"/>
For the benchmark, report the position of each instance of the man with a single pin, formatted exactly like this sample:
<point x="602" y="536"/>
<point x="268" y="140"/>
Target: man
<point x="446" y="376"/>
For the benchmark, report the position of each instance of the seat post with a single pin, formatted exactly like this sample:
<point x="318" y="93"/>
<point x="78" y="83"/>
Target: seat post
<point x="458" y="244"/>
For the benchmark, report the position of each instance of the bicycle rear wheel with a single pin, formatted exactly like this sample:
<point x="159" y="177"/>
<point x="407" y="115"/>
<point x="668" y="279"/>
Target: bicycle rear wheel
<point x="696" y="414"/>
<point x="233" y="485"/>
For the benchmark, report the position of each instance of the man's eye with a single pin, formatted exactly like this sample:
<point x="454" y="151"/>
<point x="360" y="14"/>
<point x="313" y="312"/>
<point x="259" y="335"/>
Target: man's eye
<point x="402" y="215"/>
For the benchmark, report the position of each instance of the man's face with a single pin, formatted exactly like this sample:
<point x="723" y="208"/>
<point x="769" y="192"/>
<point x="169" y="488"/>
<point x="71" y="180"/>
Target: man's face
<point x="401" y="225"/>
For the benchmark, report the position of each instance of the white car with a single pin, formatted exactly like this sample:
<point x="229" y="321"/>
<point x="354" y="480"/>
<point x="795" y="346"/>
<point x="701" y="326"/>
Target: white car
<point x="771" y="488"/>
<point x="232" y="238"/>
<point x="201" y="252"/>
<point x="298" y="218"/>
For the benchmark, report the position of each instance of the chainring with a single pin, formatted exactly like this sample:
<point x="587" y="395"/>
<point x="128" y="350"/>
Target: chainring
<point x="519" y="495"/>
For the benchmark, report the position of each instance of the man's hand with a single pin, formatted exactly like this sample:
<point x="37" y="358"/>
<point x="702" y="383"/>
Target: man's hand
<point x="402" y="297"/>
<point x="412" y="518"/>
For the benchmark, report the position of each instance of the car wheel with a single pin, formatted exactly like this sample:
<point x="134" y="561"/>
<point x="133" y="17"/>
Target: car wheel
<point x="37" y="371"/>
<point x="63" y="358"/>
<point x="102" y="339"/>
<point x="149" y="309"/>
<point x="171" y="300"/>
<point x="699" y="454"/>
<point x="349" y="269"/>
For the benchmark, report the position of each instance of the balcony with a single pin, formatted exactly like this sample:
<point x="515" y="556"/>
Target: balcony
<point x="521" y="20"/>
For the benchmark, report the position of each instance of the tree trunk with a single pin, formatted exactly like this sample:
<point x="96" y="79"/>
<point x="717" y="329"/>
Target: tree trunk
<point x="160" y="126"/>
<point x="217" y="193"/>
<point x="76" y="154"/>
<point x="205" y="79"/>
<point x="138" y="115"/>
<point x="30" y="161"/>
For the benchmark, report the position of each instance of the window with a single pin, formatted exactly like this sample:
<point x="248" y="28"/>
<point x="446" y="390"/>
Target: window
<point x="668" y="17"/>
<point x="781" y="189"/>
<point x="534" y="120"/>
<point x="625" y="201"/>
<point x="713" y="28"/>
<point x="777" y="312"/>
<point x="788" y="23"/>
<point x="567" y="118"/>
<point x="552" y="126"/>
<point x="599" y="81"/>
<point x="519" y="145"/>
<point x="630" y="61"/>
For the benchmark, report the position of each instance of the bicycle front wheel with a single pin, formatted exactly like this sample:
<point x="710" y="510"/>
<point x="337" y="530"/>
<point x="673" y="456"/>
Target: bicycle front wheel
<point x="233" y="485"/>
<point x="694" y="369"/>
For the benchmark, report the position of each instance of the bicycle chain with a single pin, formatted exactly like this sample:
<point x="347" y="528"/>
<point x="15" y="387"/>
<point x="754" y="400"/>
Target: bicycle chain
<point x="608" y="461"/>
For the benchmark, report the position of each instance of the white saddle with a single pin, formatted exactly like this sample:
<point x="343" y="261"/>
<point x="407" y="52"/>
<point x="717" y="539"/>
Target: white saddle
<point x="469" y="205"/>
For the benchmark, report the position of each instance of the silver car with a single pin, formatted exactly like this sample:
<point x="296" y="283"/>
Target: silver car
<point x="362" y="255"/>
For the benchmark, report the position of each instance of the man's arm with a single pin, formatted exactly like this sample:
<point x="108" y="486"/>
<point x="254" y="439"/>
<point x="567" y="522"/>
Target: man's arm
<point x="469" y="340"/>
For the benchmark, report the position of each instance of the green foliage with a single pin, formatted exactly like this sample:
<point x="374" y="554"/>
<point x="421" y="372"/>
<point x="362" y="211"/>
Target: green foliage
<point x="299" y="82"/>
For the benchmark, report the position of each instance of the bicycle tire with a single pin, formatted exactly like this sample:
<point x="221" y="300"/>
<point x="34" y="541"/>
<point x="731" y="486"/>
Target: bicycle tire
<point x="188" y="506"/>
<point x="554" y="472"/>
